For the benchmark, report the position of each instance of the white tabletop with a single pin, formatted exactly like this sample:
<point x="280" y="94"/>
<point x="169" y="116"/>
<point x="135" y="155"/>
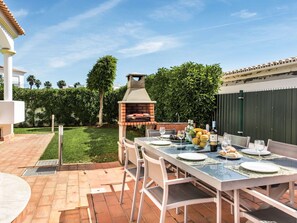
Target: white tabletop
<point x="14" y="196"/>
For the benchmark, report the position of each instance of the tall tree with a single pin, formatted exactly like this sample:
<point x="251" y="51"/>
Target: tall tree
<point x="77" y="84"/>
<point x="38" y="83"/>
<point x="61" y="83"/>
<point x="1" y="80"/>
<point x="101" y="78"/>
<point x="47" y="85"/>
<point x="31" y="80"/>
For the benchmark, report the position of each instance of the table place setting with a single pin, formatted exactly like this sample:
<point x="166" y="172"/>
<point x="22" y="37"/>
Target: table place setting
<point x="259" y="169"/>
<point x="194" y="159"/>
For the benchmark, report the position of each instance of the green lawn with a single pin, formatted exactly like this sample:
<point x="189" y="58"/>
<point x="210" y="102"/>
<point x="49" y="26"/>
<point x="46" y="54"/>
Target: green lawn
<point x="83" y="144"/>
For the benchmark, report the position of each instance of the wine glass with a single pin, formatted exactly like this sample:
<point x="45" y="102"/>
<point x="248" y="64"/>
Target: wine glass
<point x="225" y="143"/>
<point x="162" y="131"/>
<point x="227" y="138"/>
<point x="181" y="135"/>
<point x="259" y="147"/>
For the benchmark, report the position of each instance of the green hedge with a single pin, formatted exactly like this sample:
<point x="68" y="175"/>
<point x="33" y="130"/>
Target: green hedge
<point x="188" y="89"/>
<point x="71" y="107"/>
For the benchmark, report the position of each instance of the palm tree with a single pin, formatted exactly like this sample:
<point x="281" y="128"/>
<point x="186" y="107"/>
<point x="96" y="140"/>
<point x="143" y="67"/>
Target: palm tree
<point x="47" y="85"/>
<point x="38" y="83"/>
<point x="61" y="83"/>
<point x="31" y="80"/>
<point x="77" y="84"/>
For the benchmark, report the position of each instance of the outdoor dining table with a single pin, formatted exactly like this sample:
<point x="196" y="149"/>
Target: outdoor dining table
<point x="224" y="175"/>
<point x="15" y="193"/>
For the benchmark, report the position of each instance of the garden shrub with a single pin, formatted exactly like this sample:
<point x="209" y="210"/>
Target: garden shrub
<point x="189" y="90"/>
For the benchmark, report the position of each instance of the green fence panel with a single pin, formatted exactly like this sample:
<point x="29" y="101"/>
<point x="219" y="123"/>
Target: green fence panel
<point x="266" y="114"/>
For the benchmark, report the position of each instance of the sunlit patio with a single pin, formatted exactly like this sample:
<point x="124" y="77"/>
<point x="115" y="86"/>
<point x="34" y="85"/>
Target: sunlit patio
<point x="86" y="192"/>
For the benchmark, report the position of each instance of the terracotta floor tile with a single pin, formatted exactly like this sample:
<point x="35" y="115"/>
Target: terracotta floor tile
<point x="62" y="198"/>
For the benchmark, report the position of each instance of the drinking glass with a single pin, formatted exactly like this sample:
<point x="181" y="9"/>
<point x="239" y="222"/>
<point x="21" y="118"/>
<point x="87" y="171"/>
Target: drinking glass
<point x="181" y="135"/>
<point x="259" y="147"/>
<point x="162" y="131"/>
<point x="227" y="138"/>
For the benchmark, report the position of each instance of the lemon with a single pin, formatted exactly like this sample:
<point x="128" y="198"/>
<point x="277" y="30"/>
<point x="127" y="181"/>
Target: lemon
<point x="202" y="144"/>
<point x="198" y="134"/>
<point x="195" y="141"/>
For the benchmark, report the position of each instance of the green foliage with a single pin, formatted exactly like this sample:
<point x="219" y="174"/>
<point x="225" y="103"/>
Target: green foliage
<point x="61" y="84"/>
<point x="73" y="106"/>
<point x="101" y="79"/>
<point x="47" y="85"/>
<point x="31" y="80"/>
<point x="102" y="75"/>
<point x="188" y="90"/>
<point x="77" y="84"/>
<point x="111" y="109"/>
<point x="38" y="83"/>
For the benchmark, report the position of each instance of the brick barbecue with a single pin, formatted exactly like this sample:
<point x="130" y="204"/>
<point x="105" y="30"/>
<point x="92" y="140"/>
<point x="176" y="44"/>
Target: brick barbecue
<point x="136" y="108"/>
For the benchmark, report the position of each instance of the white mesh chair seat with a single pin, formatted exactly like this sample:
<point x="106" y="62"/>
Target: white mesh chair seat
<point x="271" y="215"/>
<point x="133" y="172"/>
<point x="185" y="192"/>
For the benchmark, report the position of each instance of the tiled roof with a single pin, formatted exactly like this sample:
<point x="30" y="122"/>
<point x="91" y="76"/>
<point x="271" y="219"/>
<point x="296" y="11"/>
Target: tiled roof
<point x="261" y="66"/>
<point x="5" y="10"/>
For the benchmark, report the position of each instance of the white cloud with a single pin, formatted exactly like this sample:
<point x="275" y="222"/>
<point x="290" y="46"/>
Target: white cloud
<point x="82" y="48"/>
<point x="244" y="14"/>
<point x="20" y="13"/>
<point x="51" y="32"/>
<point x="182" y="9"/>
<point x="152" y="45"/>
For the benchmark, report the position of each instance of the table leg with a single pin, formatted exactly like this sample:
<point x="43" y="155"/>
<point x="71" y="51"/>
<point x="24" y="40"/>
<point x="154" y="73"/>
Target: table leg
<point x="219" y="206"/>
<point x="236" y="207"/>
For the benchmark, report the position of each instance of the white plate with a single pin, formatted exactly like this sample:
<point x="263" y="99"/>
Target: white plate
<point x="160" y="143"/>
<point x="231" y="157"/>
<point x="260" y="167"/>
<point x="255" y="152"/>
<point x="192" y="156"/>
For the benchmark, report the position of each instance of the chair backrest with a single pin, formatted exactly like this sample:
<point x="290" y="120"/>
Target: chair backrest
<point x="132" y="153"/>
<point x="281" y="148"/>
<point x="239" y="140"/>
<point x="154" y="168"/>
<point x="153" y="132"/>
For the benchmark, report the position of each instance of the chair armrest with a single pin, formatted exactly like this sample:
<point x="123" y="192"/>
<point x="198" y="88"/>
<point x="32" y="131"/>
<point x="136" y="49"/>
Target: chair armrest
<point x="272" y="202"/>
<point x="179" y="180"/>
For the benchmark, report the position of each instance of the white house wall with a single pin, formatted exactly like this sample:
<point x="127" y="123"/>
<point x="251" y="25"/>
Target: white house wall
<point x="260" y="86"/>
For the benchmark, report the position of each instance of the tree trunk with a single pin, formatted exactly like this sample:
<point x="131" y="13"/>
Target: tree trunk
<point x="101" y="96"/>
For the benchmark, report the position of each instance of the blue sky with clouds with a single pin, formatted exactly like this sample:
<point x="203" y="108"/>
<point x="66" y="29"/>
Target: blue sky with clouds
<point x="64" y="38"/>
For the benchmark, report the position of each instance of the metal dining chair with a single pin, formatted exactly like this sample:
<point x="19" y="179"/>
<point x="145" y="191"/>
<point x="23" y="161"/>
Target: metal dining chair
<point x="276" y="211"/>
<point x="134" y="168"/>
<point x="168" y="194"/>
<point x="283" y="149"/>
<point x="242" y="141"/>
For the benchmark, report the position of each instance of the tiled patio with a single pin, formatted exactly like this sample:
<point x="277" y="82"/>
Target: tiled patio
<point x="82" y="192"/>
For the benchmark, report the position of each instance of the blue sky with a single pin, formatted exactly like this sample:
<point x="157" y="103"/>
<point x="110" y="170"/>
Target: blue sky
<point x="64" y="38"/>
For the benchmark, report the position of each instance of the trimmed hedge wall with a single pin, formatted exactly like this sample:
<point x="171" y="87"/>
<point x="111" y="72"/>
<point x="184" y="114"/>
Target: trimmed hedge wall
<point x="187" y="91"/>
<point x="71" y="107"/>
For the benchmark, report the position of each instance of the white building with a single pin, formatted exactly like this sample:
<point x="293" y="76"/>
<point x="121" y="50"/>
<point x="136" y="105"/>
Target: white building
<point x="17" y="77"/>
<point x="11" y="112"/>
<point x="279" y="74"/>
